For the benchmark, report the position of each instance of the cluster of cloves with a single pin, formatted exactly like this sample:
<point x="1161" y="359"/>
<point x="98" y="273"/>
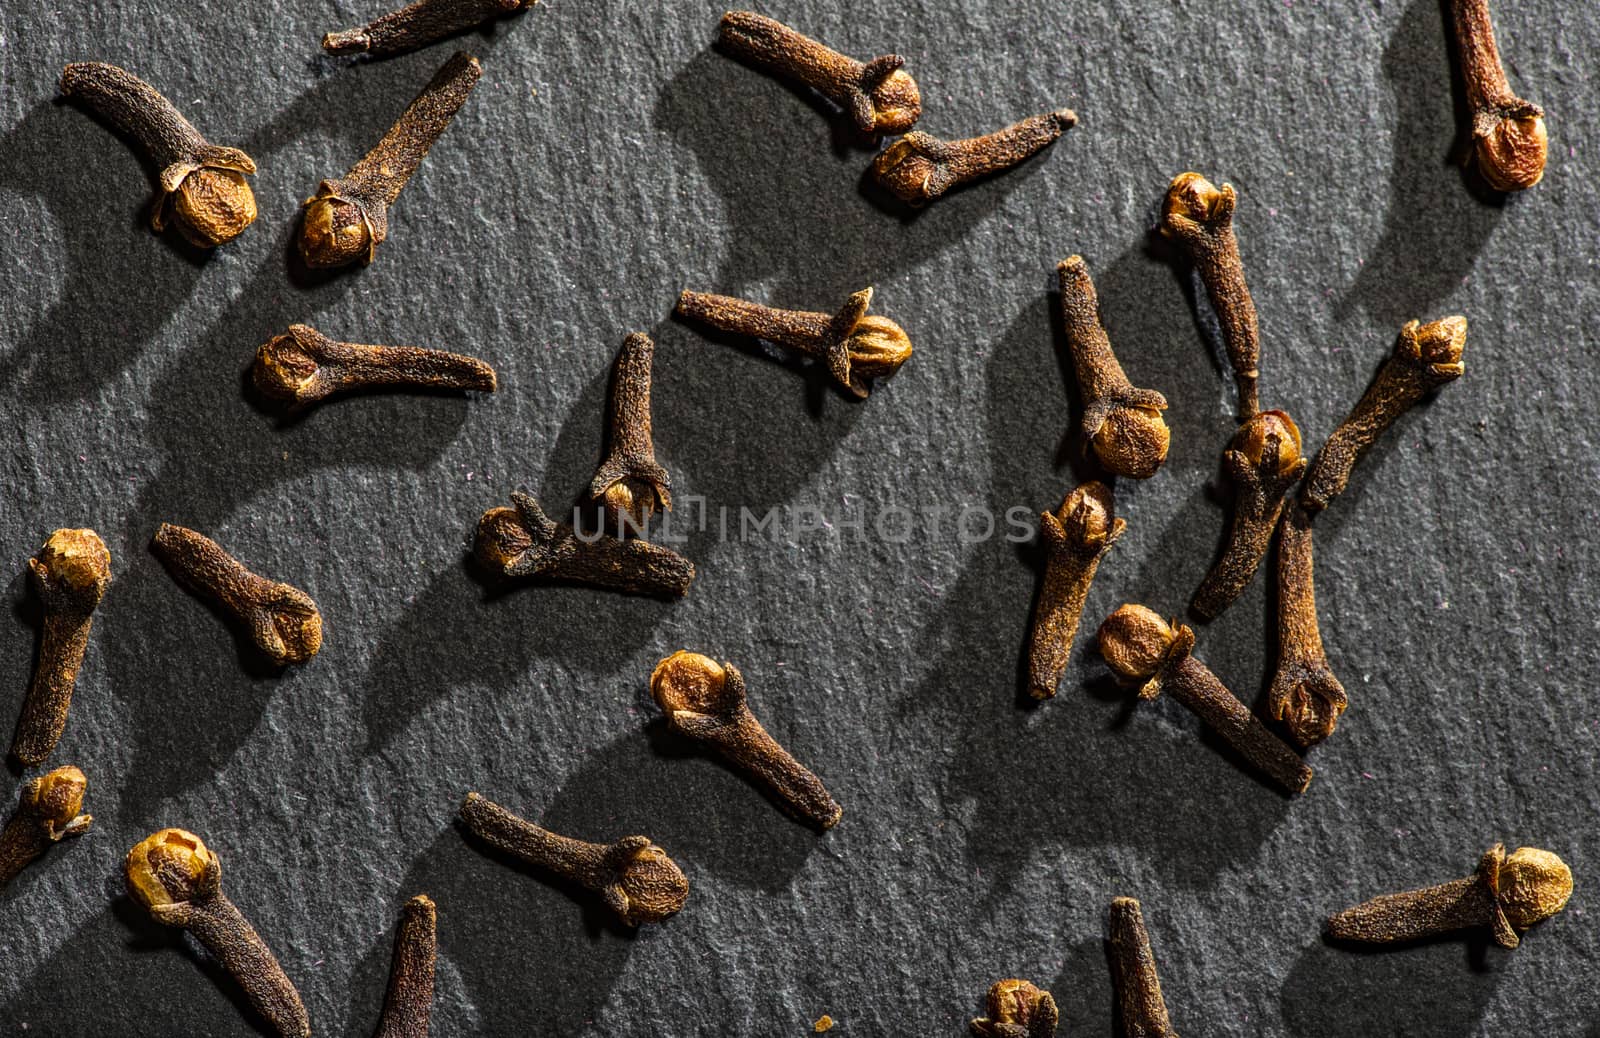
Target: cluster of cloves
<point x="880" y="99"/>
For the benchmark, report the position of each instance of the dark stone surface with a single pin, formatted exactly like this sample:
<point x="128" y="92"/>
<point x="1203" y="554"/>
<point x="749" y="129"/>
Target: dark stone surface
<point x="610" y="158"/>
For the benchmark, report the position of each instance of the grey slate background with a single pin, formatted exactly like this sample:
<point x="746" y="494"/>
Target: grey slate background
<point x="610" y="158"/>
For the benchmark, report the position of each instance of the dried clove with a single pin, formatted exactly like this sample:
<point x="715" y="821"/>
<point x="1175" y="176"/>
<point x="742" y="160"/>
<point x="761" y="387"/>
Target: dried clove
<point x="347" y="219"/>
<point x="47" y="813"/>
<point x="1123" y="425"/>
<point x="70" y="575"/>
<point x="1507" y="893"/>
<point x="629" y="481"/>
<point x="524" y="543"/>
<point x="409" y="1004"/>
<point x="1305" y="695"/>
<point x="282" y="621"/>
<point x="1133" y="972"/>
<point x="1140" y="646"/>
<point x="417" y="25"/>
<point x="1508" y="133"/>
<point x="1427" y="357"/>
<point x="879" y="95"/>
<point x="705" y="700"/>
<point x="304" y="366"/>
<point x="178" y="880"/>
<point x="856" y="346"/>
<point x="203" y="186"/>
<point x="1076" y="538"/>
<point x="920" y="167"/>
<point x="633" y="876"/>
<point x="1018" y="1009"/>
<point x="1264" y="463"/>
<point x="1200" y="217"/>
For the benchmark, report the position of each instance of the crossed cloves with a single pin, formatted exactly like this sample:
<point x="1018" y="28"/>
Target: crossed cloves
<point x="522" y="543"/>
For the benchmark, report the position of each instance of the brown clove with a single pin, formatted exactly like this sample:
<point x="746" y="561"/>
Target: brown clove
<point x="408" y="1006"/>
<point x="629" y="482"/>
<point x="1426" y="357"/>
<point x="1133" y="972"/>
<point x="1142" y="647"/>
<point x="347" y="219"/>
<point x="1017" y="1009"/>
<point x="705" y="700"/>
<point x="46" y="814"/>
<point x="418" y="25"/>
<point x="304" y="366"/>
<point x="1509" y="141"/>
<point x="525" y="544"/>
<point x="203" y="186"/>
<point x="1076" y="538"/>
<point x="920" y="167"/>
<point x="282" y="620"/>
<point x="1264" y="463"/>
<point x="856" y="346"/>
<point x="70" y="575"/>
<point x="633" y="876"/>
<point x="1305" y="695"/>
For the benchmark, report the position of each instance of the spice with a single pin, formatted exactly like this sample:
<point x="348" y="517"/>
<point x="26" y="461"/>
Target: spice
<point x="1427" y="357"/>
<point x="203" y="186"/>
<point x="304" y="366"/>
<point x="1133" y="972"/>
<point x="348" y="218"/>
<point x="856" y="346"/>
<point x="633" y="876"/>
<point x="421" y="23"/>
<point x="1305" y="695"/>
<point x="878" y="95"/>
<point x="1199" y="217"/>
<point x="70" y="575"/>
<point x="706" y="700"/>
<point x="1018" y="1009"/>
<point x="1123" y="425"/>
<point x="1264" y="463"/>
<point x="1076" y="538"/>
<point x="281" y="620"/>
<point x="525" y="544"/>
<point x="178" y="880"/>
<point x="1508" y="133"/>
<point x="629" y="482"/>
<point x="47" y="813"/>
<point x="1507" y="893"/>
<point x="409" y="1003"/>
<point x="823" y="1023"/>
<point x="1141" y="646"/>
<point x="920" y="167"/>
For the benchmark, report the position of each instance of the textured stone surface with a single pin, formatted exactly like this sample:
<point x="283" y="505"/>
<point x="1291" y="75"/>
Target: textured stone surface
<point x="610" y="158"/>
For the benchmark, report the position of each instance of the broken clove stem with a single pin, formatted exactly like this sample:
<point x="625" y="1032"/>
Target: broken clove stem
<point x="525" y="544"/>
<point x="47" y="813"/>
<point x="1076" y="537"/>
<point x="418" y="25"/>
<point x="629" y="482"/>
<point x="705" y="700"/>
<point x="1017" y="1009"/>
<point x="408" y="1006"/>
<point x="1305" y="695"/>
<point x="304" y="366"/>
<point x="348" y="218"/>
<point x="178" y="880"/>
<point x="1426" y="357"/>
<point x="1507" y="893"/>
<point x="1199" y="216"/>
<point x="1263" y="462"/>
<point x="856" y="346"/>
<point x="920" y="167"/>
<point x="1509" y="140"/>
<point x="633" y="876"/>
<point x="70" y="575"/>
<point x="1141" y="646"/>
<point x="879" y="95"/>
<point x="281" y="620"/>
<point x="1133" y="972"/>
<point x="1121" y="424"/>
<point x="202" y="185"/>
